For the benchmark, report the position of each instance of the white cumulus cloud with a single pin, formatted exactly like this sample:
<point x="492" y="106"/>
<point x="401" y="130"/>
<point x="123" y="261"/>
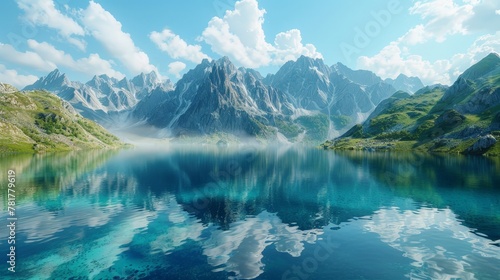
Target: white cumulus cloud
<point x="28" y="58"/>
<point x="391" y="61"/>
<point x="240" y="36"/>
<point x="176" y="67"/>
<point x="288" y="46"/>
<point x="440" y="20"/>
<point x="45" y="57"/>
<point x="394" y="59"/>
<point x="486" y="16"/>
<point x="44" y="13"/>
<point x="103" y="26"/>
<point x="176" y="47"/>
<point x="87" y="65"/>
<point x="11" y="77"/>
<point x="444" y="18"/>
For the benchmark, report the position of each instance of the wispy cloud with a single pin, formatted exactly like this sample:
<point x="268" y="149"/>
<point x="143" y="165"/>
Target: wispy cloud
<point x="28" y="58"/>
<point x="394" y="59"/>
<point x="440" y="19"/>
<point x="176" y="67"/>
<point x="104" y="27"/>
<point x="12" y="77"/>
<point x="91" y="65"/>
<point x="176" y="47"/>
<point x="45" y="57"/>
<point x="44" y="13"/>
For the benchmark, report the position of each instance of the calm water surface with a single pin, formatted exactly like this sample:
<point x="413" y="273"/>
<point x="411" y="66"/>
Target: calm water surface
<point x="286" y="213"/>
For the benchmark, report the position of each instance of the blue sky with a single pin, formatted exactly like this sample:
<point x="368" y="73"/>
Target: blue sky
<point x="433" y="39"/>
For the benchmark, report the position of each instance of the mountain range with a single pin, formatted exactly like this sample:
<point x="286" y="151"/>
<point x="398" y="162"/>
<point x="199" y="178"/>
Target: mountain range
<point x="102" y="97"/>
<point x="305" y="101"/>
<point x="461" y="118"/>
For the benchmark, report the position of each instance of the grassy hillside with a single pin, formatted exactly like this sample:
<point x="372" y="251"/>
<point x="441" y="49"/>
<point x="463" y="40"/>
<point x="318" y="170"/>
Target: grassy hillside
<point x="437" y="119"/>
<point x="38" y="121"/>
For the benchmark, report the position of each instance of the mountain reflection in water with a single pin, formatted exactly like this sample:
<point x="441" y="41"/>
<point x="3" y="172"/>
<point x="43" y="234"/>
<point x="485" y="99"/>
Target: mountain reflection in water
<point x="219" y="213"/>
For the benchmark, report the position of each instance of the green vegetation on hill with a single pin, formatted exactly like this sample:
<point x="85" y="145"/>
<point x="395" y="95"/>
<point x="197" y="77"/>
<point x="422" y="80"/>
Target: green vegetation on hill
<point x="340" y="122"/>
<point x="288" y="129"/>
<point x="316" y="127"/>
<point x="464" y="118"/>
<point x="38" y="121"/>
<point x="309" y="129"/>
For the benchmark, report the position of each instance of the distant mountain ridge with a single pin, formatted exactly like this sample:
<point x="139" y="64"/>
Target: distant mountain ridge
<point x="304" y="100"/>
<point x="304" y="97"/>
<point x="102" y="95"/>
<point x="463" y="118"/>
<point x="405" y="83"/>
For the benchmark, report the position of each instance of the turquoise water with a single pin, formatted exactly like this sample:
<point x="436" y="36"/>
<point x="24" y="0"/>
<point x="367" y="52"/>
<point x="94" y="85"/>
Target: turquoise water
<point x="285" y="213"/>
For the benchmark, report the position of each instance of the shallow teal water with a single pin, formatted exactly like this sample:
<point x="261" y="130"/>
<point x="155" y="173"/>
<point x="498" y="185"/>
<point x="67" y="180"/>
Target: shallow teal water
<point x="287" y="213"/>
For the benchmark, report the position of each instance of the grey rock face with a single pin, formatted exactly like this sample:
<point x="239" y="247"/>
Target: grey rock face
<point x="466" y="133"/>
<point x="306" y="81"/>
<point x="482" y="145"/>
<point x="482" y="100"/>
<point x="336" y="91"/>
<point x="450" y="118"/>
<point x="54" y="81"/>
<point x="217" y="97"/>
<point x="457" y="90"/>
<point x="362" y="77"/>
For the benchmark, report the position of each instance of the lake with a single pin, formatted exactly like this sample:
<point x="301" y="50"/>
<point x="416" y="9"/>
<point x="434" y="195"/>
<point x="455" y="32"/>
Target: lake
<point x="252" y="213"/>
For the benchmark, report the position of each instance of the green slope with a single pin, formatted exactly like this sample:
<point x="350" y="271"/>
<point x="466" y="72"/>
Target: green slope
<point x="38" y="121"/>
<point x="434" y="119"/>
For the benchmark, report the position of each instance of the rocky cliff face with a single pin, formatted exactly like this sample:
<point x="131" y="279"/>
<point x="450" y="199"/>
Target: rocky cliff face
<point x="217" y="97"/>
<point x="346" y="96"/>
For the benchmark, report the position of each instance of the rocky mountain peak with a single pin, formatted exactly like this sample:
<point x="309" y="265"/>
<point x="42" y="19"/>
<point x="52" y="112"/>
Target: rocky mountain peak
<point x="225" y="65"/>
<point x="53" y="81"/>
<point x="309" y="61"/>
<point x="362" y="77"/>
<point x="405" y="83"/>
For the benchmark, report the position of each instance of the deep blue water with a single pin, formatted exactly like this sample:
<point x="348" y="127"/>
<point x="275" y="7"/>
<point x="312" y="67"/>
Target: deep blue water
<point x="252" y="213"/>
